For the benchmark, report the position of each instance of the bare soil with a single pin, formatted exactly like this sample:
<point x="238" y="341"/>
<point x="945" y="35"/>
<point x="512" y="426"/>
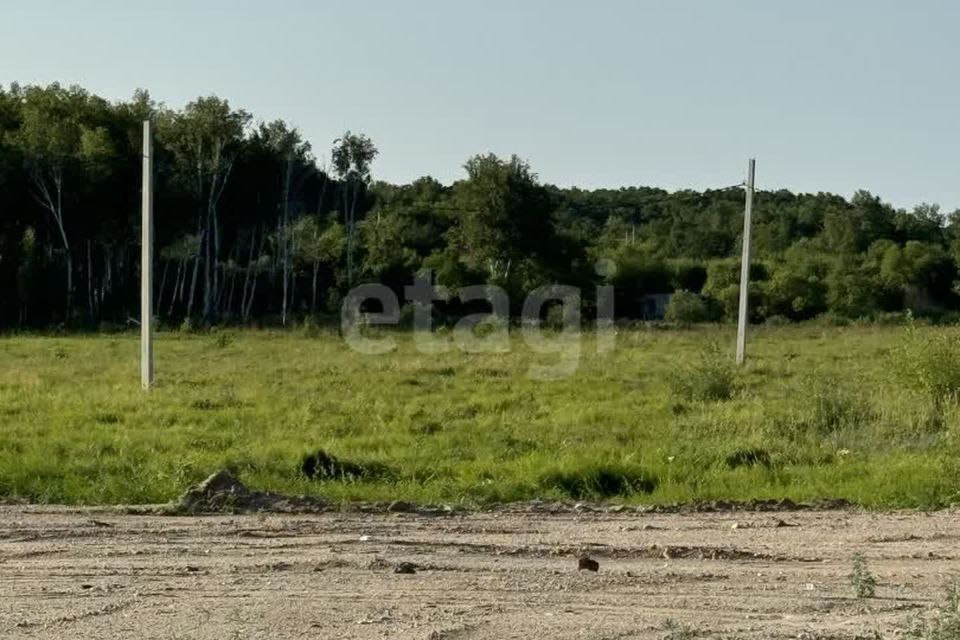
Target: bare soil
<point x="70" y="573"/>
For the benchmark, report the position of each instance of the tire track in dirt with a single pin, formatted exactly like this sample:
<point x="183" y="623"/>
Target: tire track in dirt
<point x="483" y="576"/>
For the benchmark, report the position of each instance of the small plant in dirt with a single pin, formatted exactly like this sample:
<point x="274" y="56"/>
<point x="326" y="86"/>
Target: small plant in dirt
<point x="673" y="630"/>
<point x="944" y="624"/>
<point x="711" y="377"/>
<point x="864" y="583"/>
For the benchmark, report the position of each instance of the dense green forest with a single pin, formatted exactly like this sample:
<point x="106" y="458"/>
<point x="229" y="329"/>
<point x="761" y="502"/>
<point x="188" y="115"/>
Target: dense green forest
<point x="250" y="228"/>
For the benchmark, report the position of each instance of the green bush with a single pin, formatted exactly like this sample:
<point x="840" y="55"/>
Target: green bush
<point x="688" y="275"/>
<point x="891" y="319"/>
<point x="222" y="339"/>
<point x="929" y="362"/>
<point x="864" y="583"/>
<point x="796" y="289"/>
<point x="832" y="319"/>
<point x="750" y="457"/>
<point x="948" y="318"/>
<point x="945" y="624"/>
<point x="687" y="308"/>
<point x="711" y="377"/>
<point x="310" y="328"/>
<point x="834" y="406"/>
<point x="599" y="480"/>
<point x="723" y="286"/>
<point x="555" y="317"/>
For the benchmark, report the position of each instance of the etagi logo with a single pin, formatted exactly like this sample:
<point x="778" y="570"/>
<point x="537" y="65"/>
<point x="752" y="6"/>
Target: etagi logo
<point x="483" y="332"/>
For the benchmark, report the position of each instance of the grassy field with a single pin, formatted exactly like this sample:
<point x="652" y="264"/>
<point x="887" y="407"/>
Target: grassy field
<point x="818" y="413"/>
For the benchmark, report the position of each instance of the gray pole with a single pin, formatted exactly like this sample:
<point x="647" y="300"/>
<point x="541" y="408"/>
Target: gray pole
<point x="146" y="264"/>
<point x="745" y="268"/>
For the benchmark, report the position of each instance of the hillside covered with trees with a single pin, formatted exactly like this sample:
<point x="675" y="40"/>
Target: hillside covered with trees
<point x="250" y="228"/>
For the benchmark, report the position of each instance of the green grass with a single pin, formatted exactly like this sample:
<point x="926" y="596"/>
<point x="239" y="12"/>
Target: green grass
<point x="817" y="413"/>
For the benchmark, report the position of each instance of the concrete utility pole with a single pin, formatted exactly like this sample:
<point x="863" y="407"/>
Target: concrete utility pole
<point x="146" y="264"/>
<point x="745" y="268"/>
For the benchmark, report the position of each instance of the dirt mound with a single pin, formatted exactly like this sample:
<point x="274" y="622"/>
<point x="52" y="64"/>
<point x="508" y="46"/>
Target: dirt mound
<point x="222" y="492"/>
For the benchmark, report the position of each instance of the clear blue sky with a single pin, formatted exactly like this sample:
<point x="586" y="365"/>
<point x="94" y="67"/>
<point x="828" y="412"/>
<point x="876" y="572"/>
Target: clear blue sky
<point x="828" y="95"/>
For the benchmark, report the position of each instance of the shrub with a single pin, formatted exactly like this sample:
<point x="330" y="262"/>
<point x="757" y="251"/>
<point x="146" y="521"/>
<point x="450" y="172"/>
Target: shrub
<point x="555" y="317"/>
<point x="321" y="465"/>
<point x="864" y="583"/>
<point x="310" y="328"/>
<point x="222" y="339"/>
<point x="687" y="308"/>
<point x="748" y="458"/>
<point x="599" y="480"/>
<point x="676" y="631"/>
<point x="689" y="275"/>
<point x="929" y="362"/>
<point x="711" y="377"/>
<point x="945" y="624"/>
<point x="832" y="319"/>
<point x="723" y="285"/>
<point x="834" y="406"/>
<point x="891" y="319"/>
<point x="407" y="314"/>
<point x="948" y="318"/>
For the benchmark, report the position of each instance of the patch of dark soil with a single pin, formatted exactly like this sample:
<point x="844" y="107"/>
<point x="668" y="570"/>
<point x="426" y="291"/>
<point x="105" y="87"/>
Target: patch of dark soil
<point x="748" y="458"/>
<point x="321" y="465"/>
<point x="491" y="373"/>
<point x="406" y="568"/>
<point x="600" y="482"/>
<point x="716" y="553"/>
<point x="679" y="552"/>
<point x="209" y="404"/>
<point x="721" y="506"/>
<point x="895" y="538"/>
<point x="223" y="492"/>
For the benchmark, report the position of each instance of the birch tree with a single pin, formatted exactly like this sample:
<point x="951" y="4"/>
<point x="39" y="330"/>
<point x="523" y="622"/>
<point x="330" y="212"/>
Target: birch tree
<point x="205" y="139"/>
<point x="57" y="146"/>
<point x="352" y="156"/>
<point x="317" y="243"/>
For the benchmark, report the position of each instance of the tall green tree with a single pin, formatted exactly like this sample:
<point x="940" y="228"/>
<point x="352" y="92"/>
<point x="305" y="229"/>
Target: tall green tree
<point x="352" y="157"/>
<point x="205" y="139"/>
<point x="504" y="221"/>
<point x="61" y="148"/>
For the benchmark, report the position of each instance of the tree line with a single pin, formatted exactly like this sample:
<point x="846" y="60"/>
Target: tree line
<point x="251" y="228"/>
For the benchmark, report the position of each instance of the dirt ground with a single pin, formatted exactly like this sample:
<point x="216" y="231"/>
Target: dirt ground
<point x="95" y="574"/>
